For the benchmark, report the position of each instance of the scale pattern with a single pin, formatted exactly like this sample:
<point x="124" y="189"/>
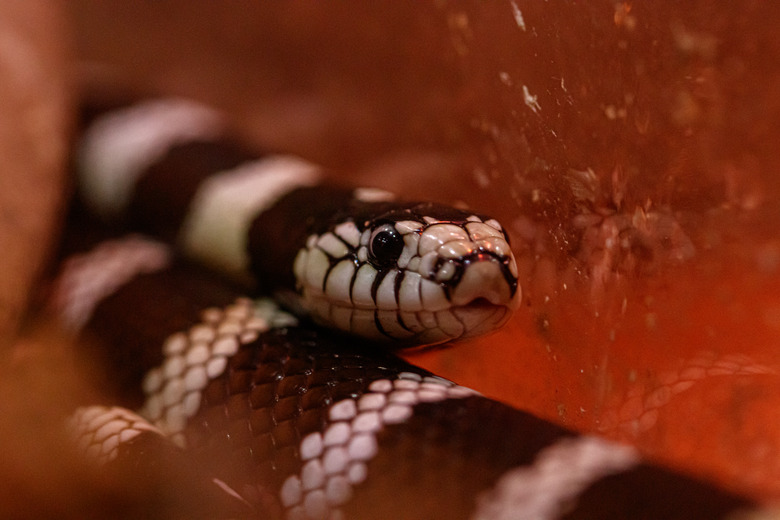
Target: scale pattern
<point x="99" y="431"/>
<point x="282" y="395"/>
<point x="173" y="390"/>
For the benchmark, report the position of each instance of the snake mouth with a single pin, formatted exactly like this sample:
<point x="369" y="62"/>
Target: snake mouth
<point x="480" y="305"/>
<point x="417" y="327"/>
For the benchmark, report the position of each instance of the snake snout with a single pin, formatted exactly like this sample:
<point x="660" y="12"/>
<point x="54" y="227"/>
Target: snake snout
<point x="486" y="278"/>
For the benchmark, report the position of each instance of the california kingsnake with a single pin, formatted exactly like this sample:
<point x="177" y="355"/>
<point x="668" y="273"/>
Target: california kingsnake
<point x="278" y="419"/>
<point x="415" y="273"/>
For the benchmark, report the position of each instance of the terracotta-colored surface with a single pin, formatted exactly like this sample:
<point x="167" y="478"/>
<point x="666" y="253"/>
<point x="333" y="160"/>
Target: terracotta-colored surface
<point x="38" y="475"/>
<point x="629" y="147"/>
<point x="34" y="115"/>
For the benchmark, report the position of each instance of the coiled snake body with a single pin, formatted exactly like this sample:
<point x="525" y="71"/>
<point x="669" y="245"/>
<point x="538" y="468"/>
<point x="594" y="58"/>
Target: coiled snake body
<point x="276" y="418"/>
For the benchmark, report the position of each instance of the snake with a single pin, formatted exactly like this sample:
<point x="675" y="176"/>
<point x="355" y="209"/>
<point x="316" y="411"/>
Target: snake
<point x="292" y="402"/>
<point x="410" y="273"/>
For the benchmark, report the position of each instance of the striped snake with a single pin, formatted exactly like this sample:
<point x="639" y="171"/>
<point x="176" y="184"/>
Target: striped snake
<point x="274" y="415"/>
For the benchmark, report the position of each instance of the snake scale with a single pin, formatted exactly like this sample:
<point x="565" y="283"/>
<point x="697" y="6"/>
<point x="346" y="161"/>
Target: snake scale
<point x="310" y="414"/>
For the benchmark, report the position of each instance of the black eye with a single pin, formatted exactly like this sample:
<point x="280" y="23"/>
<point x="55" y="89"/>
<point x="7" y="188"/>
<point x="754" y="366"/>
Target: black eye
<point x="386" y="245"/>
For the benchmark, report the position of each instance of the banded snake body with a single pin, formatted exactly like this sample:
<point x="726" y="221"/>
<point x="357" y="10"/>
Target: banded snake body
<point x="277" y="418"/>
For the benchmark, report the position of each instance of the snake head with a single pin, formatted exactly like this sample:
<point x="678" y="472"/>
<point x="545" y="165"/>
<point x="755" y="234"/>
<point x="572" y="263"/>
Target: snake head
<point x="418" y="274"/>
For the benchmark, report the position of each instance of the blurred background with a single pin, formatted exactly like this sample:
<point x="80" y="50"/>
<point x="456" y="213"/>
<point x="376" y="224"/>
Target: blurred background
<point x="629" y="148"/>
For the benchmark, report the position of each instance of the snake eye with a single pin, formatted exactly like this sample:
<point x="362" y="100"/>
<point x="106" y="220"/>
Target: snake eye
<point x="385" y="246"/>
